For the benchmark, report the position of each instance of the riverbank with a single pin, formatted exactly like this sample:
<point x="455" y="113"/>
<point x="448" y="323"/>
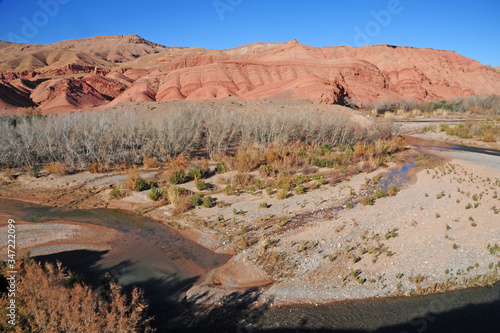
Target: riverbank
<point x="54" y="237"/>
<point x="324" y="244"/>
<point x="434" y="236"/>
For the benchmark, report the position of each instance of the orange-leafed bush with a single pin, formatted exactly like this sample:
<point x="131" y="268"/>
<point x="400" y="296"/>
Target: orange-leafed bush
<point x="95" y="167"/>
<point x="132" y="177"/>
<point x="246" y="161"/>
<point x="176" y="165"/>
<point x="204" y="165"/>
<point x="49" y="299"/>
<point x="56" y="168"/>
<point x="150" y="162"/>
<point x="271" y="156"/>
<point x="490" y="137"/>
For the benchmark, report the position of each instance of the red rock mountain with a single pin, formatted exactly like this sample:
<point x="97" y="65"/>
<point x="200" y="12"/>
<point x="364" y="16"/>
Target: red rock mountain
<point x="110" y="70"/>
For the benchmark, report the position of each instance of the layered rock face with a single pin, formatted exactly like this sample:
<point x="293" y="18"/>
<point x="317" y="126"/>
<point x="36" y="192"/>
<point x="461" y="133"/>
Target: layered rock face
<point x="109" y="70"/>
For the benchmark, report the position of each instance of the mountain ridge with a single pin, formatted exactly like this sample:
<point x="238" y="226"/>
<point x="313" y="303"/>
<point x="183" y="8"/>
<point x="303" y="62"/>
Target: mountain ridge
<point x="153" y="72"/>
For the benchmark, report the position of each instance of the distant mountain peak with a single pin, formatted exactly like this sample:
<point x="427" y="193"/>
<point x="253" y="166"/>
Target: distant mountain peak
<point x="293" y="42"/>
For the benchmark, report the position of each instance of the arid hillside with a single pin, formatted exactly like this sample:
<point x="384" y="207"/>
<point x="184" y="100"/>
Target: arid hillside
<point x="110" y="70"/>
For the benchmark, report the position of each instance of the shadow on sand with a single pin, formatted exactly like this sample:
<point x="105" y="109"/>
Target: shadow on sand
<point x="237" y="312"/>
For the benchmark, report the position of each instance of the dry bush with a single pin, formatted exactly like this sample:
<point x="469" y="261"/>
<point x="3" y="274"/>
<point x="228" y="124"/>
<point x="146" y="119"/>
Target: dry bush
<point x="401" y="113"/>
<point x="56" y="168"/>
<point x="415" y="113"/>
<point x="241" y="179"/>
<point x="247" y="160"/>
<point x="122" y="167"/>
<point x="175" y="194"/>
<point x="117" y="137"/>
<point x="95" y="167"/>
<point x="48" y="299"/>
<point x="182" y="206"/>
<point x="285" y="182"/>
<point x="309" y="169"/>
<point x="132" y="177"/>
<point x="204" y="165"/>
<point x="359" y="149"/>
<point x="375" y="162"/>
<point x="389" y="115"/>
<point x="271" y="156"/>
<point x="396" y="144"/>
<point x="287" y="164"/>
<point x="334" y="177"/>
<point x="150" y="162"/>
<point x="352" y="170"/>
<point x="489" y="137"/>
<point x="28" y="111"/>
<point x="175" y="165"/>
<point x="9" y="173"/>
<point x="365" y="166"/>
<point x="266" y="170"/>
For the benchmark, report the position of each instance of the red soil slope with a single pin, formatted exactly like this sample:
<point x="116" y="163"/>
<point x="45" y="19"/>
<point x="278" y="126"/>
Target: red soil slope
<point x="116" y="69"/>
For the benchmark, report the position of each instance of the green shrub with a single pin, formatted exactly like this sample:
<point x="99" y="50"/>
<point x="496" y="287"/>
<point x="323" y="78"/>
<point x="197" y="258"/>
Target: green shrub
<point x="178" y="178"/>
<point x="325" y="149"/>
<point x="269" y="191"/>
<point x="299" y="189"/>
<point x="367" y="201"/>
<point x="208" y="202"/>
<point x="322" y="163"/>
<point x="115" y="193"/>
<point x="380" y="193"/>
<point x="201" y="185"/>
<point x="154" y="194"/>
<point x="141" y="185"/>
<point x="264" y="205"/>
<point x="197" y="199"/>
<point x="35" y="172"/>
<point x="393" y="190"/>
<point x="221" y="167"/>
<point x="197" y="172"/>
<point x="229" y="190"/>
<point x="259" y="183"/>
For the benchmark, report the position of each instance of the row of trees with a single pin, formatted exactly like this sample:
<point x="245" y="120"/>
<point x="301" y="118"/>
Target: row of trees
<point x="112" y="137"/>
<point x="478" y="104"/>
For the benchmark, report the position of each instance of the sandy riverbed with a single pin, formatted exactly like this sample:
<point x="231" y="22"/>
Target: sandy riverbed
<point x="54" y="237"/>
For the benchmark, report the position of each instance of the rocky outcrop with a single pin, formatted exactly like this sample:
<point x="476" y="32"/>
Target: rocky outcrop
<point x="12" y="97"/>
<point x="66" y="94"/>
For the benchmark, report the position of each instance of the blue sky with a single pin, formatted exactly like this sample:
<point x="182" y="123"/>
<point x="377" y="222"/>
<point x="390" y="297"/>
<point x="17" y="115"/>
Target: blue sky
<point x="471" y="28"/>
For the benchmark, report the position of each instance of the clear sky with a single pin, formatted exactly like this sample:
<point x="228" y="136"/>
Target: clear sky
<point x="471" y="28"/>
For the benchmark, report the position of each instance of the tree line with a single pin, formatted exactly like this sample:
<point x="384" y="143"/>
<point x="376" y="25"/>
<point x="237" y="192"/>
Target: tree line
<point x="114" y="137"/>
